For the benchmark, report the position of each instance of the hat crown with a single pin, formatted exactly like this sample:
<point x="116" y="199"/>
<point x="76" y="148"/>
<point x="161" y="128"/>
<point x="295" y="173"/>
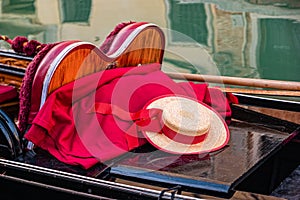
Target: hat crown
<point x="186" y="117"/>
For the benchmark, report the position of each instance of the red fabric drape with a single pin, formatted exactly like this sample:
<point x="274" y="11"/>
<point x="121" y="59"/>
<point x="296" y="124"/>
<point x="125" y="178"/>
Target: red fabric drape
<point x="66" y="127"/>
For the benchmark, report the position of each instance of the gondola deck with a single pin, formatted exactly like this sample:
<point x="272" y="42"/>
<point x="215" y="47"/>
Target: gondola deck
<point x="259" y="155"/>
<point x="254" y="161"/>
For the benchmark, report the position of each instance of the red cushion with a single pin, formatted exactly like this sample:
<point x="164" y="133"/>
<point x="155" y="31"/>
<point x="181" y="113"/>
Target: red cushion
<point x="7" y="93"/>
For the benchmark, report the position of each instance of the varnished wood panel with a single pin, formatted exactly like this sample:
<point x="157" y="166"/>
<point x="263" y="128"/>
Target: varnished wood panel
<point x="8" y="79"/>
<point x="281" y="114"/>
<point x="80" y="62"/>
<point x="147" y="47"/>
<point x="14" y="62"/>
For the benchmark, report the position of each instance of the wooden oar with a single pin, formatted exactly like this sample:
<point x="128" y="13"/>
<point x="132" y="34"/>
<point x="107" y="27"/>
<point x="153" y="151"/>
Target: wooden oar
<point x="227" y="80"/>
<point x="262" y="92"/>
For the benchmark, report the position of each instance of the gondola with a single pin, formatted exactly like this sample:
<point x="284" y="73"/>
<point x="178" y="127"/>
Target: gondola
<point x="258" y="157"/>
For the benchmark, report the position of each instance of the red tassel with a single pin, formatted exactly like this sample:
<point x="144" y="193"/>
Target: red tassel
<point x="31" y="48"/>
<point x="18" y="44"/>
<point x="25" y="90"/>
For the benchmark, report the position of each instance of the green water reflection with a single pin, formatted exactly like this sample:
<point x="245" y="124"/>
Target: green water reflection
<point x="234" y="38"/>
<point x="279" y="49"/>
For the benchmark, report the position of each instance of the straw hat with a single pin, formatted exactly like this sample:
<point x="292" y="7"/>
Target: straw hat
<point x="188" y="126"/>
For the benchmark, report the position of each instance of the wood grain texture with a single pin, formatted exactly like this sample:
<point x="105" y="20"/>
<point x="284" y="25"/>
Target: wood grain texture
<point x="7" y="79"/>
<point x="80" y="62"/>
<point x="290" y="116"/>
<point x="250" y="82"/>
<point x="14" y="62"/>
<point x="146" y="47"/>
<point x="262" y="92"/>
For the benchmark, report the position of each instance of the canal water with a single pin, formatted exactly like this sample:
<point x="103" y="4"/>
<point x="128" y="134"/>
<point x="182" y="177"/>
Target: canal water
<point x="240" y="38"/>
<point x="231" y="38"/>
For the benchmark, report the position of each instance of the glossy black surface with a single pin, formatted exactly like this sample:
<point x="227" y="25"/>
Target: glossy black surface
<point x="249" y="147"/>
<point x="247" y="163"/>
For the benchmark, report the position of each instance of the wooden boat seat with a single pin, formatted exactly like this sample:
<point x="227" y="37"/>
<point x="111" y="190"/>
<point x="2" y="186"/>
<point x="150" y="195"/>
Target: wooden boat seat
<point x="135" y="44"/>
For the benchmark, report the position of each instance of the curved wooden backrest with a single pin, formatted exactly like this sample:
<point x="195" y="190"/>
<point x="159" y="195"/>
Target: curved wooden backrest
<point x="137" y="43"/>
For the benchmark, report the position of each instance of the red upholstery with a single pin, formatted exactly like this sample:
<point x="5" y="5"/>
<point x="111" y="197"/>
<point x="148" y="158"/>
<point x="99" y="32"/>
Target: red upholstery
<point x="7" y="93"/>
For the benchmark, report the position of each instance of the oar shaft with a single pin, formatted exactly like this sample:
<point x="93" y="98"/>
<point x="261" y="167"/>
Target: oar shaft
<point x="227" y="80"/>
<point x="262" y="92"/>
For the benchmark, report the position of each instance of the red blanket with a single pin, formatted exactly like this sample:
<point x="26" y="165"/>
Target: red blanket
<point x="67" y="127"/>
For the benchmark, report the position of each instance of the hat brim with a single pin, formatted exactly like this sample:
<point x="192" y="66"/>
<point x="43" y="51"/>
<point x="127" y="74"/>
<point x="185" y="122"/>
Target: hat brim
<point x="217" y="137"/>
